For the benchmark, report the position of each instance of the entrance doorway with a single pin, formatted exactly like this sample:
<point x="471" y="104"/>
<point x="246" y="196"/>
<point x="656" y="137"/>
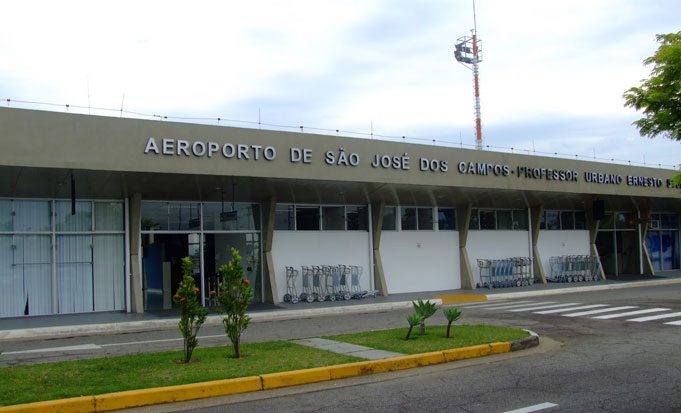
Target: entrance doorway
<point x="617" y="243"/>
<point x="162" y="266"/>
<point x="218" y="252"/>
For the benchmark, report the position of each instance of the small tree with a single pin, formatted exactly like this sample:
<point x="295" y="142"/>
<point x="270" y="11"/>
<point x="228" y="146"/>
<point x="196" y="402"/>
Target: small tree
<point x="451" y="314"/>
<point x="192" y="316"/>
<point x="413" y="320"/>
<point x="424" y="310"/>
<point x="233" y="296"/>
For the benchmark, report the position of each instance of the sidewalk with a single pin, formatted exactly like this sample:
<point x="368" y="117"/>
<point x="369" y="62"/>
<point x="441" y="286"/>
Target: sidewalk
<point x="93" y="323"/>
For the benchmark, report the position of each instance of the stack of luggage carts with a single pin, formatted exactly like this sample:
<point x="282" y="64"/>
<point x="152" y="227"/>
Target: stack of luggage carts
<point x="574" y="268"/>
<point x="505" y="272"/>
<point x="325" y="283"/>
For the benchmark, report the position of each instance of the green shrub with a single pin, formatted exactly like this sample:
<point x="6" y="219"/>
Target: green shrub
<point x="233" y="296"/>
<point x="451" y="314"/>
<point x="192" y="316"/>
<point x="424" y="309"/>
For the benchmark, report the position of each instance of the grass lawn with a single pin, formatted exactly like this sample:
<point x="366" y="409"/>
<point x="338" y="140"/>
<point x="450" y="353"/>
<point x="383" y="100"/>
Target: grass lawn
<point x="31" y="383"/>
<point x="435" y="338"/>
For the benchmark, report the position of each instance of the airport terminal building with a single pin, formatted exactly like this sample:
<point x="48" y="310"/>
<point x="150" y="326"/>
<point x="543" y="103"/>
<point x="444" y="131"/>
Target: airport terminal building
<point x="97" y="212"/>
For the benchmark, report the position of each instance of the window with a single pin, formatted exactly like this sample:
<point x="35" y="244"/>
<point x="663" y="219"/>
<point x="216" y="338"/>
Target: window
<point x="580" y="220"/>
<point x="389" y="218"/>
<point x="551" y="220"/>
<point x="520" y="219"/>
<point x="504" y="219"/>
<point x="446" y="219"/>
<point x="475" y="220"/>
<point x="357" y="218"/>
<point x="307" y="218"/>
<point x="425" y="218"/>
<point x="333" y="218"/>
<point x="567" y="220"/>
<point x="170" y="216"/>
<point x="408" y="215"/>
<point x="84" y="253"/>
<point x="488" y="219"/>
<point x="669" y="221"/>
<point x="285" y="218"/>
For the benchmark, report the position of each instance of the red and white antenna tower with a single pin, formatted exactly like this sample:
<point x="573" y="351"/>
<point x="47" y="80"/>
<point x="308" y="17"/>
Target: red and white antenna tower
<point x="468" y="52"/>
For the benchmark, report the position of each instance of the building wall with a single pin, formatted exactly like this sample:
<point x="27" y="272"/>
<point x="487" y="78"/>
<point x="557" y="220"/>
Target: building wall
<point x="420" y="260"/>
<point x="298" y="248"/>
<point x="557" y="243"/>
<point x="494" y="245"/>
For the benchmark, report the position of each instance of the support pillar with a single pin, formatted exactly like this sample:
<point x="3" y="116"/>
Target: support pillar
<point x="463" y="217"/>
<point x="647" y="263"/>
<point x="377" y="209"/>
<point x="269" y="272"/>
<point x="535" y="224"/>
<point x="594" y="224"/>
<point x="136" y="292"/>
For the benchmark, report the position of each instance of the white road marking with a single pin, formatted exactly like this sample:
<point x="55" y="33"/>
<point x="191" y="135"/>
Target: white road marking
<point x="156" y="341"/>
<point x="674" y="323"/>
<point x="53" y="349"/>
<point x="535" y="408"/>
<point x="561" y="310"/>
<point x="82" y="347"/>
<point x="646" y="311"/>
<point x="655" y="317"/>
<point x="506" y="307"/>
<point x="540" y="307"/>
<point x="486" y="304"/>
<point x="602" y="310"/>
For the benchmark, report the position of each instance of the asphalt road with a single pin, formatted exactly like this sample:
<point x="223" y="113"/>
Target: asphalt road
<point x="583" y="363"/>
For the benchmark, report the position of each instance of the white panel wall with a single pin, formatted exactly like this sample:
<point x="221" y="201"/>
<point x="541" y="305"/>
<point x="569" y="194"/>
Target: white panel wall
<point x="295" y="249"/>
<point x="556" y="243"/>
<point x="494" y="245"/>
<point x="420" y="260"/>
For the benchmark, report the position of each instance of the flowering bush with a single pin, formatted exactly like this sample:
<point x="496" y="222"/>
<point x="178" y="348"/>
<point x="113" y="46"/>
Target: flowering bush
<point x="233" y="296"/>
<point x="192" y="316"/>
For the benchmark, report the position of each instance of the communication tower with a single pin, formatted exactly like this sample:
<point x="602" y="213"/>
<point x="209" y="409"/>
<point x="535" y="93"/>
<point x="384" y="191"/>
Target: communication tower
<point x="468" y="52"/>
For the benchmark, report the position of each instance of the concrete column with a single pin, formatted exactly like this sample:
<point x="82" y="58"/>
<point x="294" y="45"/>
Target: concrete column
<point x="463" y="217"/>
<point x="269" y="273"/>
<point x="594" y="224"/>
<point x="647" y="263"/>
<point x="535" y="224"/>
<point x="136" y="293"/>
<point x="377" y="209"/>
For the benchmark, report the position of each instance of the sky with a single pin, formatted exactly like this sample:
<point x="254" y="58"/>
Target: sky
<point x="551" y="78"/>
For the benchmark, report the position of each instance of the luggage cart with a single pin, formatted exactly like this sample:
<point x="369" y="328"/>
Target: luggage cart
<point x="343" y="274"/>
<point x="307" y="294"/>
<point x="317" y="289"/>
<point x="291" y="293"/>
<point x="485" y="267"/>
<point x="355" y="289"/>
<point x="330" y="282"/>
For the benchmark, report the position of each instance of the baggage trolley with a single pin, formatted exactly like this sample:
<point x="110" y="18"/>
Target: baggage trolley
<point x="291" y="293"/>
<point x="485" y="267"/>
<point x="317" y="289"/>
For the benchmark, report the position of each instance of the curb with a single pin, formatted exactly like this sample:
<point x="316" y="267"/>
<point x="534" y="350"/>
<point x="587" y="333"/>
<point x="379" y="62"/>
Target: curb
<point x="184" y="392"/>
<point x="210" y="320"/>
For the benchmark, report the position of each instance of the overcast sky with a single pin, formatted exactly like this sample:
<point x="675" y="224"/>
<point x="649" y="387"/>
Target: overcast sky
<point x="551" y="80"/>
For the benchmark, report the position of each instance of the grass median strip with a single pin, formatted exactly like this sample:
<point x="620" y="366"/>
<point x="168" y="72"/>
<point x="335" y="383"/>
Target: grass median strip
<point x="31" y="383"/>
<point x="434" y="340"/>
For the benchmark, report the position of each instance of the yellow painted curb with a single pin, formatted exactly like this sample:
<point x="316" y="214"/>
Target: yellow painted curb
<point x="460" y="298"/>
<point x="74" y="404"/>
<point x="144" y="397"/>
<point x="293" y="378"/>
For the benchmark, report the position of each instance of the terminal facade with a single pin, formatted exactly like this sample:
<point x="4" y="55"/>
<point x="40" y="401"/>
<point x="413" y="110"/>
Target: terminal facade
<point x="97" y="212"/>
